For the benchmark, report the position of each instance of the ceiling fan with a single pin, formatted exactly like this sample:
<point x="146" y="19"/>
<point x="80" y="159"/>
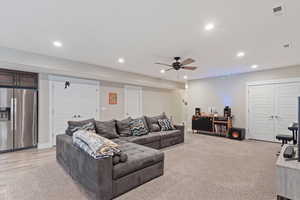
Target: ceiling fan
<point x="177" y="64"/>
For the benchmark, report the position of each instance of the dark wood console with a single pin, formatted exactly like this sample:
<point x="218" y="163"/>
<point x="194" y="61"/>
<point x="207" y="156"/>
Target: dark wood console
<point x="213" y="125"/>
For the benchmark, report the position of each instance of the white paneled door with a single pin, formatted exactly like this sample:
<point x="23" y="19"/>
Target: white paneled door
<point x="271" y="109"/>
<point x="133" y="101"/>
<point x="260" y="112"/>
<point x="286" y="109"/>
<point x="78" y="101"/>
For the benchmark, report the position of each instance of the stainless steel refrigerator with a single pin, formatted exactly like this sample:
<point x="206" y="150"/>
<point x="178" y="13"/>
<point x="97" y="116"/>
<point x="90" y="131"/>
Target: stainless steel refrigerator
<point x="18" y="119"/>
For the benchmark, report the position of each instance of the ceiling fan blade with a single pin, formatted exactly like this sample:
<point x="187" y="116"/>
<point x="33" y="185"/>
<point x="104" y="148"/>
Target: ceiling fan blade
<point x="169" y="69"/>
<point x="187" y="61"/>
<point x="163" y="64"/>
<point x="189" y="68"/>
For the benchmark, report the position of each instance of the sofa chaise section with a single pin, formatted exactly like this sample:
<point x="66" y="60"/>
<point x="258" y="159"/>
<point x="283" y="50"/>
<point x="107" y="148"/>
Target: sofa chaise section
<point x="101" y="177"/>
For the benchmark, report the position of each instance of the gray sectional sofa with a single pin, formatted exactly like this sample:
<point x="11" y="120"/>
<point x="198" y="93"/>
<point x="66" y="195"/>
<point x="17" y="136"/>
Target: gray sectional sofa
<point x="105" y="180"/>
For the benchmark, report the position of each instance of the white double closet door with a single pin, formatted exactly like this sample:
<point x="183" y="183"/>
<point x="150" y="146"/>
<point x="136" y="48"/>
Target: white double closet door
<point x="271" y="109"/>
<point x="78" y="101"/>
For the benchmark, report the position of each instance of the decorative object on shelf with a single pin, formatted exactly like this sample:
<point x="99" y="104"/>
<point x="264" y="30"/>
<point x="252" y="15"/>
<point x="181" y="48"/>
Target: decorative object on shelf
<point x="227" y="111"/>
<point x="237" y="133"/>
<point x="113" y="98"/>
<point x="197" y="111"/>
<point x="212" y="110"/>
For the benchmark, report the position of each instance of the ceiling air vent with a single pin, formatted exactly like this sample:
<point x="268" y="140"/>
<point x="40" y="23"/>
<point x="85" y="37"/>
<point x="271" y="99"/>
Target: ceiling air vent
<point x="278" y="10"/>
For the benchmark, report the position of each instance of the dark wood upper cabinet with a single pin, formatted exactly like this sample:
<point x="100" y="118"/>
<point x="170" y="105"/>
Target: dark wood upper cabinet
<point x="9" y="78"/>
<point x="29" y="80"/>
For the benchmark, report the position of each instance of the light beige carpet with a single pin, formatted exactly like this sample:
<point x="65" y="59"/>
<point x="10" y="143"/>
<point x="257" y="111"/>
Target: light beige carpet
<point x="205" y="167"/>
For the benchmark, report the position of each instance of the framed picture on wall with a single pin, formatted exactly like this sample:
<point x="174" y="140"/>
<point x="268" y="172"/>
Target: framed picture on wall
<point x="112" y="98"/>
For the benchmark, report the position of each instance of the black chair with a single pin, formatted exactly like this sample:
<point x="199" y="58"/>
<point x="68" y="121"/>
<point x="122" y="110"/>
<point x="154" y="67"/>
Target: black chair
<point x="294" y="129"/>
<point x="284" y="138"/>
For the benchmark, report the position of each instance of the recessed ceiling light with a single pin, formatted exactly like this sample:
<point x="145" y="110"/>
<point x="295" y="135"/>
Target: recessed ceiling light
<point x="240" y="54"/>
<point x="121" y="60"/>
<point x="254" y="66"/>
<point x="209" y="26"/>
<point x="162" y="71"/>
<point x="57" y="44"/>
<point x="185" y="77"/>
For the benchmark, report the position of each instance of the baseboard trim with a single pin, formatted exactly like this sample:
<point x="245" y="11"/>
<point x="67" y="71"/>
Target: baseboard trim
<point x="44" y="145"/>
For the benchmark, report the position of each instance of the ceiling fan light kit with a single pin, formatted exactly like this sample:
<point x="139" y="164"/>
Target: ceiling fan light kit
<point x="178" y="65"/>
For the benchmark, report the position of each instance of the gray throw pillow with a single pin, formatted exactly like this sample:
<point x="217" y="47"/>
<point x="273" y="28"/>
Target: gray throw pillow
<point x="154" y="120"/>
<point x="73" y="126"/>
<point x="155" y="128"/>
<point x="107" y="129"/>
<point x="123" y="128"/>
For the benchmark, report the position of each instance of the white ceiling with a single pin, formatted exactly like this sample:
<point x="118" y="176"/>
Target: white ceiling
<point x="144" y="32"/>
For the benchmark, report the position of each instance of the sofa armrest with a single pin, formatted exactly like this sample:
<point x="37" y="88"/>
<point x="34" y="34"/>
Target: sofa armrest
<point x="94" y="175"/>
<point x="181" y="128"/>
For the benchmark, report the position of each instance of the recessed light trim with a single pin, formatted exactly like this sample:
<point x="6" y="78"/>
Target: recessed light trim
<point x="162" y="71"/>
<point x="121" y="60"/>
<point x="240" y="54"/>
<point x="186" y="86"/>
<point x="254" y="66"/>
<point x="209" y="27"/>
<point x="57" y="44"/>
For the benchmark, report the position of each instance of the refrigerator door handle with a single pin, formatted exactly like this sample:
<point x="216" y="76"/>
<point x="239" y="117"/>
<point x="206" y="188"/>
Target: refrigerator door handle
<point x="12" y="114"/>
<point x="15" y="113"/>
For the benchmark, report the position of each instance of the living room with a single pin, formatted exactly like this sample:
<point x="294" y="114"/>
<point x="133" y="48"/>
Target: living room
<point x="149" y="100"/>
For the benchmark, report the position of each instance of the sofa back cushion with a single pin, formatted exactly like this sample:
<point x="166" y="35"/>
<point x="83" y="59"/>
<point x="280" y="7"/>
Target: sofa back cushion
<point x="123" y="128"/>
<point x="138" y="126"/>
<point x="165" y="124"/>
<point x="107" y="129"/>
<point x="73" y="126"/>
<point x="153" y="122"/>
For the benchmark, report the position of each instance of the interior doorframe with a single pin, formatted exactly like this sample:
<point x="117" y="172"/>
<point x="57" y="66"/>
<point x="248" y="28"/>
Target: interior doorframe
<point x="140" y="97"/>
<point x="52" y="79"/>
<point x="255" y="83"/>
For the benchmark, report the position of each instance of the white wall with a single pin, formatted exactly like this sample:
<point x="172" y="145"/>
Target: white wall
<point x="43" y="109"/>
<point x="231" y="90"/>
<point x="111" y="80"/>
<point x="155" y="101"/>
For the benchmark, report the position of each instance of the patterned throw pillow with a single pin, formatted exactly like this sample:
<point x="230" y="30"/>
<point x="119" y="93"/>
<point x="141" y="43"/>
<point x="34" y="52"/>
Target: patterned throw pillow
<point x="137" y="127"/>
<point x="165" y="124"/>
<point x="95" y="145"/>
<point x="73" y="126"/>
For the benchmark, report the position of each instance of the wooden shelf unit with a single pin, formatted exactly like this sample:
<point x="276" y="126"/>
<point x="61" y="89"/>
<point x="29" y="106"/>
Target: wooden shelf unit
<point x="222" y="127"/>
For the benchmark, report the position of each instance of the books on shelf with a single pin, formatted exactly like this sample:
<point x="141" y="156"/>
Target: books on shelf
<point x="220" y="128"/>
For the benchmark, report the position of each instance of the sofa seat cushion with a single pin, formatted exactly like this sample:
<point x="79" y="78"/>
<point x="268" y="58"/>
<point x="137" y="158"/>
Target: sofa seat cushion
<point x="139" y="157"/>
<point x="169" y="134"/>
<point x="144" y="139"/>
